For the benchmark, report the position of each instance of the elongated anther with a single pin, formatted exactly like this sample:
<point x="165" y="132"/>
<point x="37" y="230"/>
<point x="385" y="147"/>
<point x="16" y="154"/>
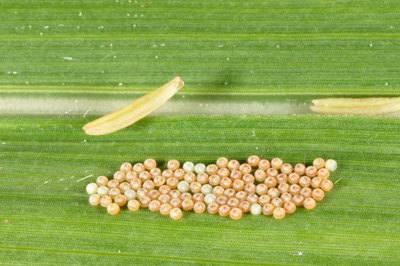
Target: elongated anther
<point x="354" y="106"/>
<point x="134" y="111"/>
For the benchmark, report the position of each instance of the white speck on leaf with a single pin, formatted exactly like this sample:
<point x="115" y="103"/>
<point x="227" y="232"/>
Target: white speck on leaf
<point x="68" y="58"/>
<point x="84" y="115"/>
<point x="338" y="180"/>
<point x="84" y="178"/>
<point x="45" y="182"/>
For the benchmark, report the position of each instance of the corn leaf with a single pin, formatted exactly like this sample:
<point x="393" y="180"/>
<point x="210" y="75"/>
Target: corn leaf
<point x="251" y="69"/>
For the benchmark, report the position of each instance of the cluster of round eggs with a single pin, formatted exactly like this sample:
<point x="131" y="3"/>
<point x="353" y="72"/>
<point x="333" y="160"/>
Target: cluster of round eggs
<point x="226" y="187"/>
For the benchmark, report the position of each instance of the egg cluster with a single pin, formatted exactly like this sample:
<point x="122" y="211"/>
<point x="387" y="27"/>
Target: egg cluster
<point x="226" y="187"/>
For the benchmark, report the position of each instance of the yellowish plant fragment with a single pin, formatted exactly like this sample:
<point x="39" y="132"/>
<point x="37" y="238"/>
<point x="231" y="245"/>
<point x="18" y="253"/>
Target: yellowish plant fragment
<point x="356" y="106"/>
<point x="134" y="111"/>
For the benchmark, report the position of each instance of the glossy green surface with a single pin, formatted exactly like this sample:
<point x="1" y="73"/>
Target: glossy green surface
<point x="46" y="219"/>
<point x="248" y="66"/>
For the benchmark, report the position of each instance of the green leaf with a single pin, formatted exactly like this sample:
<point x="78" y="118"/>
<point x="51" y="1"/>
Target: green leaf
<point x="251" y="69"/>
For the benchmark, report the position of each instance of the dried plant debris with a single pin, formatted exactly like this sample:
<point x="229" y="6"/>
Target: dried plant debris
<point x="356" y="106"/>
<point x="134" y="111"/>
<point x="227" y="187"/>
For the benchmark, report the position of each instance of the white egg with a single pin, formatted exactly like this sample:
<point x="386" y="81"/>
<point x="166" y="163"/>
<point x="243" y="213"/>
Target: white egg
<point x="331" y="165"/>
<point x="200" y="168"/>
<point x="91" y="188"/>
<point x="256" y="209"/>
<point x="188" y="167"/>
